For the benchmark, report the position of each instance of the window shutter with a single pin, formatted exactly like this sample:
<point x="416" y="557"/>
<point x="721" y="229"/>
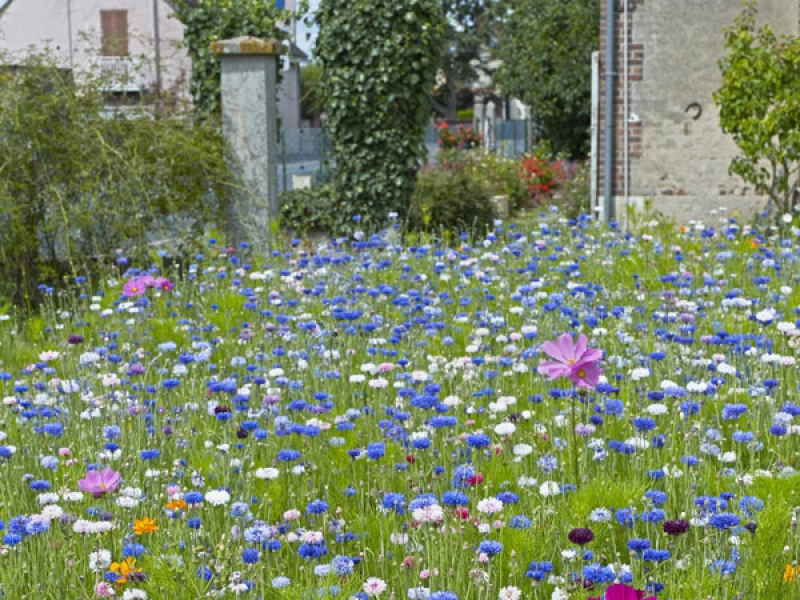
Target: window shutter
<point x="114" y="32"/>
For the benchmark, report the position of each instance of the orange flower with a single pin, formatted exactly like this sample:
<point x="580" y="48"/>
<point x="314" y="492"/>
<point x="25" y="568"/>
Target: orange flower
<point x="177" y="505"/>
<point x="124" y="569"/>
<point x="145" y="525"/>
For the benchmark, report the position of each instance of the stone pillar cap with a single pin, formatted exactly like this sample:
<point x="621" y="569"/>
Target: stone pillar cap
<point x="252" y="46"/>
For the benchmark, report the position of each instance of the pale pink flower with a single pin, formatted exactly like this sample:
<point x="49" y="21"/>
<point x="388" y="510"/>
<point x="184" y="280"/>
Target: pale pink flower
<point x="575" y="361"/>
<point x="374" y="586"/>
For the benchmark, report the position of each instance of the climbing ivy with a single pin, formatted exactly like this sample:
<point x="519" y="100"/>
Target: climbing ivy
<point x="379" y="59"/>
<point x="208" y="20"/>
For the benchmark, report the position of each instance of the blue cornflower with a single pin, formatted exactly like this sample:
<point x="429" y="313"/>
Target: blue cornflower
<point x="281" y="582"/>
<point x="519" y="522"/>
<point x="310" y="551"/>
<point x="49" y="462"/>
<point x="394" y="501"/>
<point x="597" y="573"/>
<point x="657" y="498"/>
<point x="376" y="450"/>
<point x="724" y="520"/>
<point x="133" y="550"/>
<point x="150" y="454"/>
<point x="250" y="556"/>
<point x="317" y="507"/>
<point x="478" y="440"/>
<point x="443" y="596"/>
<point x="288" y="455"/>
<point x="638" y="545"/>
<point x="490" y="547"/>
<point x="193" y="497"/>
<point x="654" y="555"/>
<point x="342" y="565"/>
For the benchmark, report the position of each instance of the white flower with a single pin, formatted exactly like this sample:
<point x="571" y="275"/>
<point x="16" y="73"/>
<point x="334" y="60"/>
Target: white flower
<point x="559" y="594"/>
<point x="49" y="355"/>
<point x="510" y="593"/>
<point x="600" y="515"/>
<point x="127" y="502"/>
<point x="99" y="561"/>
<point x="134" y="594"/>
<point x="640" y="373"/>
<point x="657" y="409"/>
<point x="48" y="498"/>
<point x="267" y="473"/>
<point x="218" y="497"/>
<point x="72" y="496"/>
<point x="522" y="450"/>
<point x="428" y="514"/>
<point x="549" y="488"/>
<point x="505" y="429"/>
<point x="52" y="512"/>
<point x="490" y="506"/>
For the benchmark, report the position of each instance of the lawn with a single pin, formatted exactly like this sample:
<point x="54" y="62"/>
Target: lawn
<point x="371" y="420"/>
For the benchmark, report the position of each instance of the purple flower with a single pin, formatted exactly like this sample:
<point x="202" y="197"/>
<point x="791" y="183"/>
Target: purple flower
<point x="576" y="361"/>
<point x="98" y="483"/>
<point x="580" y="536"/>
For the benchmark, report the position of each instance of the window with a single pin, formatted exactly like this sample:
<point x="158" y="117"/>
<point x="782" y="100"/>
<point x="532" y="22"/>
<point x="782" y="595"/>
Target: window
<point x="114" y="32"/>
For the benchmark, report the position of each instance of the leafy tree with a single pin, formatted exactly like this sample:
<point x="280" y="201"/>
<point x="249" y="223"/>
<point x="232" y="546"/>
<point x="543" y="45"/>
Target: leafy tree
<point x="546" y="51"/>
<point x="379" y="60"/>
<point x="208" y="20"/>
<point x="78" y="183"/>
<point x="759" y="108"/>
<point x="467" y="32"/>
<point x="311" y="99"/>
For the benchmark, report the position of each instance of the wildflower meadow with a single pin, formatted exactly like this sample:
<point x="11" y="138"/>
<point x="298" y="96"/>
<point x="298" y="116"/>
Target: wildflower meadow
<point x="556" y="410"/>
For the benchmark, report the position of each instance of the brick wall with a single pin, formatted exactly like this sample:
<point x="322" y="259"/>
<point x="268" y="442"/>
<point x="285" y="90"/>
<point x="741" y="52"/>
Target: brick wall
<point x="678" y="155"/>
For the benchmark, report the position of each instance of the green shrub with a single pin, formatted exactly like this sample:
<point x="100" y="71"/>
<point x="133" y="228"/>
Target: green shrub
<point x="499" y="173"/>
<point x="311" y="210"/>
<point x="466" y="114"/>
<point x="452" y="198"/>
<point x="78" y="184"/>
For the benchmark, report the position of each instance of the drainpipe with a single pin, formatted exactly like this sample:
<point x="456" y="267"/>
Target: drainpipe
<point x="625" y="113"/>
<point x="157" y="43"/>
<point x="608" y="165"/>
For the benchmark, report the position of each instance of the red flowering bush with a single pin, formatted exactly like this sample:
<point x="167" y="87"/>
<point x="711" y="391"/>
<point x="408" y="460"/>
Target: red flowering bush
<point x="463" y="138"/>
<point x="541" y="175"/>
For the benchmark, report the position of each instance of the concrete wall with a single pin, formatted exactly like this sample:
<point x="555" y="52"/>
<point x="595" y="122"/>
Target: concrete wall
<point x="677" y="161"/>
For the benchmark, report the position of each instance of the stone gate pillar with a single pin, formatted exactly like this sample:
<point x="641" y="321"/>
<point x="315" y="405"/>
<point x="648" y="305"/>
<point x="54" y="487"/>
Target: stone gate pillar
<point x="250" y="127"/>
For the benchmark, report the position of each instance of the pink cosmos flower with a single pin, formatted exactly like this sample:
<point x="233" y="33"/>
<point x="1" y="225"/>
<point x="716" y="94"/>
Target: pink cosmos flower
<point x="620" y="591"/>
<point x="137" y="286"/>
<point x="98" y="483"/>
<point x="576" y="361"/>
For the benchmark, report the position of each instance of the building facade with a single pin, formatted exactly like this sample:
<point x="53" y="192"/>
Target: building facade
<point x="135" y="43"/>
<point x="667" y="147"/>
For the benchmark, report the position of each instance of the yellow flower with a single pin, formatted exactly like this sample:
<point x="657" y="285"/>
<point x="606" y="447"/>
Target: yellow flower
<point x="124" y="568"/>
<point x="789" y="572"/>
<point x="177" y="505"/>
<point x="145" y="525"/>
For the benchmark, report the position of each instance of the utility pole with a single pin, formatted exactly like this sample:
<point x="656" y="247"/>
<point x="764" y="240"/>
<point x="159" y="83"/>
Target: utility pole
<point x="157" y="42"/>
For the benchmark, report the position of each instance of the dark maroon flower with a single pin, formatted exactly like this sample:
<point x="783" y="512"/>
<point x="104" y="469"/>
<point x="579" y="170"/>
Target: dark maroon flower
<point x="75" y="339"/>
<point x="751" y="527"/>
<point x="580" y="536"/>
<point x="241" y="433"/>
<point x="676" y="527"/>
<point x="221" y="409"/>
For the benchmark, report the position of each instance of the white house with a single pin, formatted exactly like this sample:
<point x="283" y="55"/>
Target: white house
<point x="114" y="35"/>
